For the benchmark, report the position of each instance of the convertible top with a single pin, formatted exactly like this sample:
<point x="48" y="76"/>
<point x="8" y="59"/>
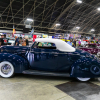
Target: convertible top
<point x="60" y="45"/>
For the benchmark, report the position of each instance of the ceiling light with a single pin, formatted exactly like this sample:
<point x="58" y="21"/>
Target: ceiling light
<point x="98" y="9"/>
<point x="92" y="30"/>
<point x="78" y="27"/>
<point x="79" y="1"/>
<point x="28" y="19"/>
<point x="58" y="24"/>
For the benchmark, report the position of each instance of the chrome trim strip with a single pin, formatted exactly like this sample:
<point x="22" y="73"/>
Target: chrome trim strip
<point x="54" y="53"/>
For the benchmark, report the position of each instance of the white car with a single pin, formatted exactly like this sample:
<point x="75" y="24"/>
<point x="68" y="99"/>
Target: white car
<point x="12" y="41"/>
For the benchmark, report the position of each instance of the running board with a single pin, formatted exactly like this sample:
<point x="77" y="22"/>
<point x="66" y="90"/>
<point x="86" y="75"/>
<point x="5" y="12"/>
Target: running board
<point x="35" y="72"/>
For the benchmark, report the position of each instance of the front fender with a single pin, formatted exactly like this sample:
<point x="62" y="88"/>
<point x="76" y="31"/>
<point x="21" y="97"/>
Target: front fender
<point x="81" y="68"/>
<point x="20" y="64"/>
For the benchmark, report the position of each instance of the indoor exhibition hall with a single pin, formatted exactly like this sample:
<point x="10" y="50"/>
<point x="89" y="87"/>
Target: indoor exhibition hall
<point x="49" y="49"/>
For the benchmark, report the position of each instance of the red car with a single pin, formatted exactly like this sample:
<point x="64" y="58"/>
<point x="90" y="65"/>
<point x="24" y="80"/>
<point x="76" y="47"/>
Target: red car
<point x="92" y="48"/>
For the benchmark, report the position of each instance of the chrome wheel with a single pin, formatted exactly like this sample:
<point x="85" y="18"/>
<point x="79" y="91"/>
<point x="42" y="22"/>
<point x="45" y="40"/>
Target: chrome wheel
<point x="6" y="69"/>
<point x="95" y="70"/>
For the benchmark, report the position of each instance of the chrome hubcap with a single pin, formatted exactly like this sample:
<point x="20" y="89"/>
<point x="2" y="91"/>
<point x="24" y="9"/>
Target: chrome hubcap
<point x="83" y="79"/>
<point x="6" y="69"/>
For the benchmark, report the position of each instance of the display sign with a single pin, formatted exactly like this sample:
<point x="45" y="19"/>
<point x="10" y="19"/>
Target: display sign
<point x="58" y="36"/>
<point x="27" y="26"/>
<point x="34" y="37"/>
<point x="63" y="39"/>
<point x="45" y="36"/>
<point x="4" y="33"/>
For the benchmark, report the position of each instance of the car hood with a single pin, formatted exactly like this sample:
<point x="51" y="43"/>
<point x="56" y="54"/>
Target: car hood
<point x="14" y="49"/>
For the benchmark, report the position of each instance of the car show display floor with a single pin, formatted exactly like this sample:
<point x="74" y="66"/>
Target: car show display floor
<point x="30" y="87"/>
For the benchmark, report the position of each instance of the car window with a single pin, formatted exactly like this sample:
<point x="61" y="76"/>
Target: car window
<point x="45" y="45"/>
<point x="40" y="44"/>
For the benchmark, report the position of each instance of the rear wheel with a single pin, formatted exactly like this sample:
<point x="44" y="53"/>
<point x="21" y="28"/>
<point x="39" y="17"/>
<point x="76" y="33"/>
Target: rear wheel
<point x="83" y="79"/>
<point x="6" y="69"/>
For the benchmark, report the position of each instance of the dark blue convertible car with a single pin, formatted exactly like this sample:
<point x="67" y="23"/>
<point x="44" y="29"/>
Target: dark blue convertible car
<point x="50" y="57"/>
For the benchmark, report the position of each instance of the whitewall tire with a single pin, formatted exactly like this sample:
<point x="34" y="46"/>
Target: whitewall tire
<point x="83" y="79"/>
<point x="6" y="69"/>
<point x="98" y="54"/>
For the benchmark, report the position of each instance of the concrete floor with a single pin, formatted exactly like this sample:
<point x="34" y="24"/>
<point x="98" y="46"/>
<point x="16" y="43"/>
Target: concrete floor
<point x="28" y="87"/>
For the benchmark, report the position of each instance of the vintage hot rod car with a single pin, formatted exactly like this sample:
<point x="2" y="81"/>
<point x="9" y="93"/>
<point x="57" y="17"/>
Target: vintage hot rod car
<point x="92" y="48"/>
<point x="50" y="57"/>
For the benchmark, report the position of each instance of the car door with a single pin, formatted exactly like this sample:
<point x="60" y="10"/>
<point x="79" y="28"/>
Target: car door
<point x="64" y="62"/>
<point x="43" y="59"/>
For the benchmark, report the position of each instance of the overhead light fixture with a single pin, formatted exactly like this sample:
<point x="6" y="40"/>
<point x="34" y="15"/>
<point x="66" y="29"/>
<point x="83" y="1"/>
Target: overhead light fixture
<point x="92" y="30"/>
<point x="78" y="27"/>
<point x="98" y="9"/>
<point x="79" y="1"/>
<point x="28" y="19"/>
<point x="58" y="24"/>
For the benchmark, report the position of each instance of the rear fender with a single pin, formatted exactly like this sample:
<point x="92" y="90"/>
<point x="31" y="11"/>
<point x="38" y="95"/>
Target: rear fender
<point x="81" y="68"/>
<point x="20" y="64"/>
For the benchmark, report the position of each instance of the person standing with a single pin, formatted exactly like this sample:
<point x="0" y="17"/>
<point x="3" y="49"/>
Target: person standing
<point x="16" y="41"/>
<point x="23" y="42"/>
<point x="27" y="42"/>
<point x="79" y="43"/>
<point x="74" y="43"/>
<point x="98" y="42"/>
<point x="3" y="40"/>
<point x="70" y="42"/>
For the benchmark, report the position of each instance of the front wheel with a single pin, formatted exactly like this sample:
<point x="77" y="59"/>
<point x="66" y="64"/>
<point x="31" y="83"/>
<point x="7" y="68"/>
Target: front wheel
<point x="6" y="69"/>
<point x="83" y="79"/>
